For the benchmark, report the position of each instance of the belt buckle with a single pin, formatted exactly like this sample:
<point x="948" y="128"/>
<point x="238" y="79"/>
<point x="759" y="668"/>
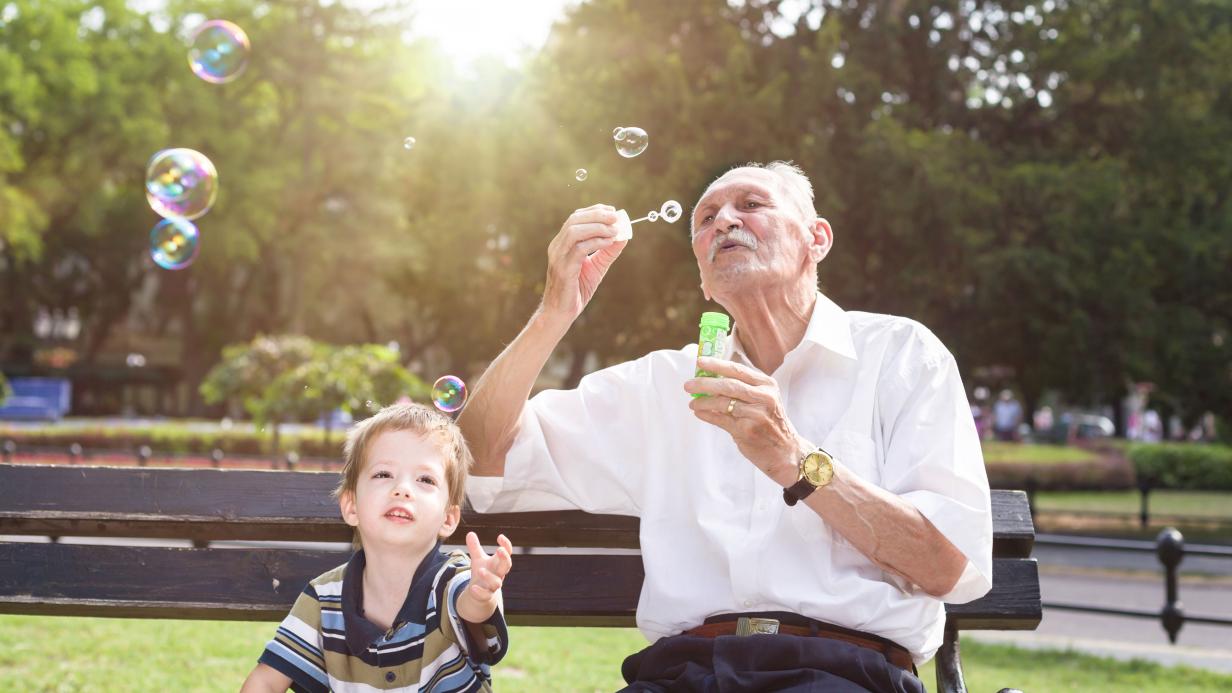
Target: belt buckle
<point x="747" y="625"/>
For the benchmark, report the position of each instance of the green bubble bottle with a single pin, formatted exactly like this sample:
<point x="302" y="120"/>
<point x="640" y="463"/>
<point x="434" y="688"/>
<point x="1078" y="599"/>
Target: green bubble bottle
<point x="712" y="342"/>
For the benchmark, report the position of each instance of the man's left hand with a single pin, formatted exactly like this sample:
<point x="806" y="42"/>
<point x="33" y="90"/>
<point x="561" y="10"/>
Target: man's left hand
<point x="747" y="404"/>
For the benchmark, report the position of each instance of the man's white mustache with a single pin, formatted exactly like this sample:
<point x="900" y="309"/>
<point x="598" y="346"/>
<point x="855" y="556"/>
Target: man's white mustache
<point x="737" y="236"/>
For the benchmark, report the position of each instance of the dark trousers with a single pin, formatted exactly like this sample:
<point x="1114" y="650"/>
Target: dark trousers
<point x="742" y="664"/>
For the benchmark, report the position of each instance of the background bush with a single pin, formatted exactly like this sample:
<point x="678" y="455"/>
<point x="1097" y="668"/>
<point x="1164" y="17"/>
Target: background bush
<point x="1184" y="466"/>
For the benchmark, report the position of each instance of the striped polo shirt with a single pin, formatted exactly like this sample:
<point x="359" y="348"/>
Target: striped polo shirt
<point x="326" y="644"/>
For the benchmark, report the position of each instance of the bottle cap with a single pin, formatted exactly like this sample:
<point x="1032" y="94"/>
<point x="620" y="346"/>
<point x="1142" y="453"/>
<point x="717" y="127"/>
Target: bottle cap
<point x="719" y="320"/>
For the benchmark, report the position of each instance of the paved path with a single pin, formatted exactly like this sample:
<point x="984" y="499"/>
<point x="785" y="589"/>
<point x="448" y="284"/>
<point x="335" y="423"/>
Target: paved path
<point x="1134" y="581"/>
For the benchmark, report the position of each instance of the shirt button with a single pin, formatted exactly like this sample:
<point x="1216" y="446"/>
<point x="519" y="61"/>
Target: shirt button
<point x="390" y="676"/>
<point x="748" y="602"/>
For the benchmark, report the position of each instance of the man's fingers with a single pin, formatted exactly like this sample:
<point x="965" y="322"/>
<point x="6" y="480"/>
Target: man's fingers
<point x="731" y="369"/>
<point x="724" y="387"/>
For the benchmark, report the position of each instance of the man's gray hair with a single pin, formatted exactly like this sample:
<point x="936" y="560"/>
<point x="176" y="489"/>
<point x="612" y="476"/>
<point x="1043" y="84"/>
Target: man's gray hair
<point x="799" y="188"/>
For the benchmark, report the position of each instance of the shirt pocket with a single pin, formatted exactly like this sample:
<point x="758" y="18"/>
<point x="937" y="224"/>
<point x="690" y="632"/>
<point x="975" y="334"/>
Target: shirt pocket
<point x="857" y="453"/>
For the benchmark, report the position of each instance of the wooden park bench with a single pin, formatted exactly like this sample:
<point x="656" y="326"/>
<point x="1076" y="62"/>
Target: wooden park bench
<point x="590" y="587"/>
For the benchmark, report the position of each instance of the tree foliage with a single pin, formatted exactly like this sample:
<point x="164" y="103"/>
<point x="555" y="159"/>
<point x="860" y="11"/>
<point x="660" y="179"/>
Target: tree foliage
<point x="1044" y="184"/>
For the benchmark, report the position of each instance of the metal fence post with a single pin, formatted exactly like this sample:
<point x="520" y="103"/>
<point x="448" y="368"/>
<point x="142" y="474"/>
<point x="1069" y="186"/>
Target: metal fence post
<point x="1170" y="546"/>
<point x="1144" y="509"/>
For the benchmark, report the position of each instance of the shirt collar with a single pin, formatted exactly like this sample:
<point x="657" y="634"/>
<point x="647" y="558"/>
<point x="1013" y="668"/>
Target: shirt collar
<point x="360" y="632"/>
<point x="828" y="327"/>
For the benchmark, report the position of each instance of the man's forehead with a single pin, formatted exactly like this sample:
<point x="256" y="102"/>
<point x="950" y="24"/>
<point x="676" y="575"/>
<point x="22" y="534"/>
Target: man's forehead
<point x="739" y="178"/>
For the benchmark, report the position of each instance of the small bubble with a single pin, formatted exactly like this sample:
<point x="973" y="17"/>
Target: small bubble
<point x="652" y="216"/>
<point x="671" y="211"/>
<point x="174" y="243"/>
<point x="408" y="144"/>
<point x="449" y="393"/>
<point x="631" y="141"/>
<point x="580" y="174"/>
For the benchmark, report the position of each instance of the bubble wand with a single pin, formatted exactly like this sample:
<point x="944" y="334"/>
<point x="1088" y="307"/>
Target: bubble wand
<point x="669" y="212"/>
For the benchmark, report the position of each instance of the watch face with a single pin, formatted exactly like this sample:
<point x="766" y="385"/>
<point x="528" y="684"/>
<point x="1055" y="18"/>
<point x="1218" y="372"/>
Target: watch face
<point x="817" y="468"/>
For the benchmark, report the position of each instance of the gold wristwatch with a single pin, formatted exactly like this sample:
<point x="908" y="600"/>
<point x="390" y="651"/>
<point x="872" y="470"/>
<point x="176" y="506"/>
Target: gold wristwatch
<point x="816" y="470"/>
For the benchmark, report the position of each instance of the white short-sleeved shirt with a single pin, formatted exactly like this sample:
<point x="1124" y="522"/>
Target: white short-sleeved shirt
<point x="880" y="393"/>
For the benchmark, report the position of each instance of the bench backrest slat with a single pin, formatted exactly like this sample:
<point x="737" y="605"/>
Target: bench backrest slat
<point x="207" y="504"/>
<point x="261" y="584"/>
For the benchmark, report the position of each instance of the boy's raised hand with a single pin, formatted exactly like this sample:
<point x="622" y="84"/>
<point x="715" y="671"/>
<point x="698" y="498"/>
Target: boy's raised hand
<point x="488" y="572"/>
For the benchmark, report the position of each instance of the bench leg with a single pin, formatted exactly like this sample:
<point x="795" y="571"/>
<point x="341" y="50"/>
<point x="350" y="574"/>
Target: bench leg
<point x="949" y="664"/>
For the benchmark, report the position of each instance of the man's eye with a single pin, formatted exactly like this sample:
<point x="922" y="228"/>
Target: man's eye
<point x="751" y="204"/>
<point x="708" y="218"/>
<point x="428" y="480"/>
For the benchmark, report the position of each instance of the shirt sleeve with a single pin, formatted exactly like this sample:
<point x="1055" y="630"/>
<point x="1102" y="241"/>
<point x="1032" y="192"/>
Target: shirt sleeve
<point x="582" y="448"/>
<point x="495" y="641"/>
<point x="296" y="650"/>
<point x="933" y="457"/>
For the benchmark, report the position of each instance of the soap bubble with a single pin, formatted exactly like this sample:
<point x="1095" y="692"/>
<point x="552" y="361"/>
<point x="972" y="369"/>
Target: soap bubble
<point x="580" y="174"/>
<point x="181" y="183"/>
<point x="671" y="211"/>
<point x="631" y="141"/>
<point x="219" y="51"/>
<point x="449" y="393"/>
<point x="174" y="243"/>
<point x="652" y="216"/>
<point x="408" y="143"/>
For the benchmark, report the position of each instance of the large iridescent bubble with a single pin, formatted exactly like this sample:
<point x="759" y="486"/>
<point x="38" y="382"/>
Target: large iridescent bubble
<point x="449" y="393"/>
<point x="219" y="51"/>
<point x="181" y="183"/>
<point x="174" y="243"/>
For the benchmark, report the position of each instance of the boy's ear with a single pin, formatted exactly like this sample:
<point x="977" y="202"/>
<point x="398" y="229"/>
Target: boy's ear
<point x="453" y="517"/>
<point x="350" y="513"/>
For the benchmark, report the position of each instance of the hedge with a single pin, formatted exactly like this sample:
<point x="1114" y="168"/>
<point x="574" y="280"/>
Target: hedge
<point x="175" y="439"/>
<point x="1184" y="465"/>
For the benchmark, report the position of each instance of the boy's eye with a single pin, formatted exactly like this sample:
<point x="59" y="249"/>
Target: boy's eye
<point x="427" y="479"/>
<point x="382" y="475"/>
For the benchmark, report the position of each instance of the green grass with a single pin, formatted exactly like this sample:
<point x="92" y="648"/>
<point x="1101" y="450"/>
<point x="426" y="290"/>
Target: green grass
<point x="1193" y="503"/>
<point x="996" y="451"/>
<point x="96" y="654"/>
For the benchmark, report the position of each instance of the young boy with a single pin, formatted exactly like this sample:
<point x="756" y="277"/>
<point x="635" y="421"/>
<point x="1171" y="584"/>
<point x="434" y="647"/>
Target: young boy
<point x="401" y="614"/>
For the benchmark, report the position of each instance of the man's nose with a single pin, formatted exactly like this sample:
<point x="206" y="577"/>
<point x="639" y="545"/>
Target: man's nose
<point x="726" y="218"/>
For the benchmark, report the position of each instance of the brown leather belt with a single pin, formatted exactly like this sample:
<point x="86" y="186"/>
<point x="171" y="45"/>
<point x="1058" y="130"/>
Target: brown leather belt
<point x="746" y="625"/>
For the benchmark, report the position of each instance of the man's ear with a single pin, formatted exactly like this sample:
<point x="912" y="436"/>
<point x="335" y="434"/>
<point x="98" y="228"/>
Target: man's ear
<point x="821" y="239"/>
<point x="350" y="512"/>
<point x="453" y="516"/>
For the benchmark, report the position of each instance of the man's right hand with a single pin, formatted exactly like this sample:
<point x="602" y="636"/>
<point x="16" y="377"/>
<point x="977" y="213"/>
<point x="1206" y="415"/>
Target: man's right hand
<point x="578" y="259"/>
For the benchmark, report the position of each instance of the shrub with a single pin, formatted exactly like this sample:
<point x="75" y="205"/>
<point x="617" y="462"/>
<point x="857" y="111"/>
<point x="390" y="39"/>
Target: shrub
<point x="1184" y="465"/>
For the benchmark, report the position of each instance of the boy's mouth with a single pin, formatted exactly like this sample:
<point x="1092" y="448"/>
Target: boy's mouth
<point x="400" y="515"/>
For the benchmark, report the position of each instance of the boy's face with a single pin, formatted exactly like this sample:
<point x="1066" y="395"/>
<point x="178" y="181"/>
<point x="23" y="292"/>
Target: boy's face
<point x="401" y="500"/>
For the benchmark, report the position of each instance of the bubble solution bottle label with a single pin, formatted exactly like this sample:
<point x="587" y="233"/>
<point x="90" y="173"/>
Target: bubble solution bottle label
<point x="712" y="342"/>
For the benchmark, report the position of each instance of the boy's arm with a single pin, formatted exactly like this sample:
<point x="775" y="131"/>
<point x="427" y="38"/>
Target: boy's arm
<point x="482" y="597"/>
<point x="265" y="678"/>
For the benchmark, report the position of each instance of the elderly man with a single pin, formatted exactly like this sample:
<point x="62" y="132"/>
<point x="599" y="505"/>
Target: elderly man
<point x="827" y="496"/>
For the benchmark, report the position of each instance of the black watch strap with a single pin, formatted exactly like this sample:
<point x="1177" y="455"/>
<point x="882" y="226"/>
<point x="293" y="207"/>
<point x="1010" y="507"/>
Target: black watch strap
<point x="798" y="491"/>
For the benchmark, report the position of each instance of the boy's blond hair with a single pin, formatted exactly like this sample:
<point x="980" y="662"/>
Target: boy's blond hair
<point x="416" y="418"/>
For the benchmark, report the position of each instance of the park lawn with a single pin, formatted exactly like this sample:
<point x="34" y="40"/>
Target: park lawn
<point x="997" y="451"/>
<point x="1186" y="503"/>
<point x="67" y="654"/>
